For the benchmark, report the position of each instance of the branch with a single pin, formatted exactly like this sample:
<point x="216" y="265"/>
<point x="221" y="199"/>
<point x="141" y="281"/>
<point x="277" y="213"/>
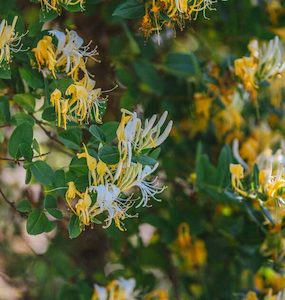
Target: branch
<point x="50" y="134"/>
<point x="23" y="159"/>
<point x="11" y="204"/>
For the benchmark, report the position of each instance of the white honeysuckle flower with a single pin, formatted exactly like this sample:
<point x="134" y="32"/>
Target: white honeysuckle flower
<point x="70" y="52"/>
<point x="10" y="40"/>
<point x="133" y="135"/>
<point x="101" y="292"/>
<point x="149" y="189"/>
<point x="270" y="58"/>
<point x="128" y="286"/>
<point x="120" y="288"/>
<point x="109" y="200"/>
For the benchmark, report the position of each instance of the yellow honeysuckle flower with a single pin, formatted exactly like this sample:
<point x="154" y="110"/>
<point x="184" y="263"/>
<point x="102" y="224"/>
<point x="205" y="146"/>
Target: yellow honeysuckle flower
<point x="176" y="11"/>
<point x="264" y="63"/>
<point x="55" y="4"/>
<point x="61" y="107"/>
<point x="91" y="163"/>
<point x="82" y="208"/>
<point x="184" y="237"/>
<point x="132" y="133"/>
<point x="250" y="296"/>
<point x="159" y="294"/>
<point x="69" y="55"/>
<point x="246" y="68"/>
<point x="120" y="289"/>
<point x="237" y="175"/>
<point x="10" y="40"/>
<point x="193" y="252"/>
<point x="45" y="54"/>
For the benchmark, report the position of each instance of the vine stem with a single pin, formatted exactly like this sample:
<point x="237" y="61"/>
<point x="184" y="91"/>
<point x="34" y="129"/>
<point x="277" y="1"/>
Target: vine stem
<point x="22" y="159"/>
<point x="12" y="204"/>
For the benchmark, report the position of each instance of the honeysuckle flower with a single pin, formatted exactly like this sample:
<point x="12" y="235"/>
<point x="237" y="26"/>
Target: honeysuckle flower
<point x="237" y="174"/>
<point x="82" y="208"/>
<point x="56" y="4"/>
<point x="10" y="40"/>
<point x="272" y="174"/>
<point x="120" y="289"/>
<point x="133" y="135"/>
<point x="184" y="237"/>
<point x="159" y="294"/>
<point x="81" y="103"/>
<point x="61" y="107"/>
<point x="193" y="251"/>
<point x="176" y="12"/>
<point x="71" y="54"/>
<point x="109" y="200"/>
<point x="91" y="163"/>
<point x="85" y="101"/>
<point x="45" y="54"/>
<point x="264" y="63"/>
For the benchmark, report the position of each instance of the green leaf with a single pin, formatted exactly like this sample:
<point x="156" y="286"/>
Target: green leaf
<point x="182" y="64"/>
<point x="5" y="71"/>
<point x="28" y="176"/>
<point x="74" y="227"/>
<point x="144" y="160"/>
<point x="110" y="130"/>
<point x="130" y="9"/>
<point x="49" y="114"/>
<point x="21" y="117"/>
<point x="148" y="74"/>
<point x="24" y="206"/>
<point x="46" y="16"/>
<point x="51" y="207"/>
<point x="32" y="77"/>
<point x="223" y="173"/>
<point x="27" y="101"/>
<point x="71" y="138"/>
<point x="55" y="212"/>
<point x="42" y="172"/>
<point x="36" y="146"/>
<point x="256" y="176"/>
<point x="38" y="222"/>
<point x="22" y="134"/>
<point x="97" y="133"/>
<point x="4" y="110"/>
<point x="109" y="155"/>
<point x="26" y="151"/>
<point x="49" y="202"/>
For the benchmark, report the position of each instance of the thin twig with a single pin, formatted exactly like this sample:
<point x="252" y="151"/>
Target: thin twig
<point x="11" y="204"/>
<point x="50" y="135"/>
<point x="16" y="160"/>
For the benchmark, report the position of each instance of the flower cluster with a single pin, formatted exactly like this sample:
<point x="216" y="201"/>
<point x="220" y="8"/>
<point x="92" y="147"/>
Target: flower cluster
<point x="264" y="63"/>
<point x="268" y="188"/>
<point x="125" y="289"/>
<point x="168" y="13"/>
<point x="55" y="5"/>
<point x="192" y="252"/>
<point x="113" y="185"/>
<point x="81" y="101"/>
<point x="10" y="41"/>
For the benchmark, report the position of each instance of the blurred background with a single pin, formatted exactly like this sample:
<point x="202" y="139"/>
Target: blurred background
<point x="190" y="73"/>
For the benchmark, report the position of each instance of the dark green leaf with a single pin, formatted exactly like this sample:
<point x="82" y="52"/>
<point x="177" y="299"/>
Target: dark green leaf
<point x="42" y="172"/>
<point x="74" y="228"/>
<point x="38" y="222"/>
<point x="130" y="9"/>
<point x="97" y="133"/>
<point x="109" y="155"/>
<point x="22" y="134"/>
<point x="24" y="206"/>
